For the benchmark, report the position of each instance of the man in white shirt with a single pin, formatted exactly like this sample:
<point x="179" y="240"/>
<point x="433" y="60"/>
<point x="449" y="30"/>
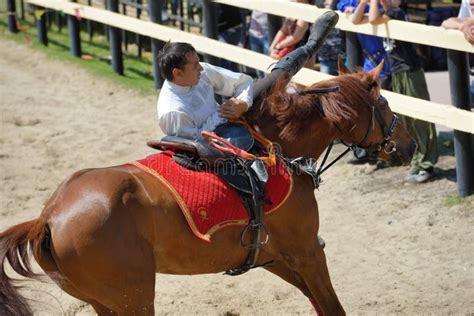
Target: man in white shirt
<point x="186" y="105"/>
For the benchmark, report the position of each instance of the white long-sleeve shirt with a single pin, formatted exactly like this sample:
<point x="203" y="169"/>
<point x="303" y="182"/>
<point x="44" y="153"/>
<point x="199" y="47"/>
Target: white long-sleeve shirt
<point x="185" y="111"/>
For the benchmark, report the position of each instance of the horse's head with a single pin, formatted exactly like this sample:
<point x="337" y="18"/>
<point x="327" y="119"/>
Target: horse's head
<point x="348" y="107"/>
<point x="378" y="129"/>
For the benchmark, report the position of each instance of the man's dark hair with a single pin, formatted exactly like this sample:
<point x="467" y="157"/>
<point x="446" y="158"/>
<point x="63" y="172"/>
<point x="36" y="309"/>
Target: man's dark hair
<point x="173" y="55"/>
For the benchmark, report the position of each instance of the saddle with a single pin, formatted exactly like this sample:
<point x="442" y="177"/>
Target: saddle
<point x="225" y="153"/>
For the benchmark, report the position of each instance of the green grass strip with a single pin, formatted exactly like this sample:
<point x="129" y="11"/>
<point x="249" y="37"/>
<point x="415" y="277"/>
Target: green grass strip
<point x="138" y="71"/>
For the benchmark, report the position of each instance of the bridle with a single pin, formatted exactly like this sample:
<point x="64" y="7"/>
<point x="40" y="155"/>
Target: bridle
<point x="388" y="145"/>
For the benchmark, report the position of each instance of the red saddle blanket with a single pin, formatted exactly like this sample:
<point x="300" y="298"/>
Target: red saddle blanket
<point x="207" y="202"/>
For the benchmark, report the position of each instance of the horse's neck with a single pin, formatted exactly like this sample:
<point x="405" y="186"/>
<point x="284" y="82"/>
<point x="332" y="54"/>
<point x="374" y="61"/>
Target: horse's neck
<point x="311" y="144"/>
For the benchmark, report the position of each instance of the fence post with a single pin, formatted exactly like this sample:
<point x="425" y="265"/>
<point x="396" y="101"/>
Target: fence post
<point x="11" y="10"/>
<point x="355" y="57"/>
<point x="180" y="12"/>
<point x="115" y="40"/>
<point x="41" y="30"/>
<point x="124" y="33"/>
<point x="458" y="66"/>
<point x="138" y="37"/>
<point x="155" y="7"/>
<point x="59" y="21"/>
<point x="22" y="9"/>
<point x="90" y="30"/>
<point x="74" y="35"/>
<point x="209" y="10"/>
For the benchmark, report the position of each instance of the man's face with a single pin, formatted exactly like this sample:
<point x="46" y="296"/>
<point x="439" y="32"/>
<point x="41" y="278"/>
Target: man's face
<point x="191" y="72"/>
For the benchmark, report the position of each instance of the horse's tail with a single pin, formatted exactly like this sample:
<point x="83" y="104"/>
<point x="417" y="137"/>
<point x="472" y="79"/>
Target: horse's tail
<point x="14" y="244"/>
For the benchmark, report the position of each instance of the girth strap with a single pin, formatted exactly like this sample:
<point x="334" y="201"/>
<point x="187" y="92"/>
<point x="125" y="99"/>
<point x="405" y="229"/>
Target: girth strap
<point x="254" y="207"/>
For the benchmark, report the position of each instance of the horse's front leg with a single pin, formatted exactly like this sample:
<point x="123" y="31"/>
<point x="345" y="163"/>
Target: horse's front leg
<point x="311" y="265"/>
<point x="323" y="305"/>
<point x="280" y="269"/>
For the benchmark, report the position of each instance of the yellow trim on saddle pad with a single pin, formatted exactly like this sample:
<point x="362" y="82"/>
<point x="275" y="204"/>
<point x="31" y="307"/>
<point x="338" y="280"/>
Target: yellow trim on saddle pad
<point x="187" y="214"/>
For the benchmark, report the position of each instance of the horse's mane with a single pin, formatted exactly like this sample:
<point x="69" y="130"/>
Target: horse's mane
<point x="293" y="113"/>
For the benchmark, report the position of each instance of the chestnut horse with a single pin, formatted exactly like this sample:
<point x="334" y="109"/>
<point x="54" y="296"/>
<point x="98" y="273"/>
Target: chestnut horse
<point x="104" y="233"/>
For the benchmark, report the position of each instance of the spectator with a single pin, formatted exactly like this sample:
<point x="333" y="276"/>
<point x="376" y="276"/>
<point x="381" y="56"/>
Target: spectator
<point x="408" y="78"/>
<point x="374" y="53"/>
<point x="372" y="46"/>
<point x="231" y="29"/>
<point x="258" y="35"/>
<point x="467" y="27"/>
<point x="291" y="35"/>
<point x="331" y="49"/>
<point x="464" y="22"/>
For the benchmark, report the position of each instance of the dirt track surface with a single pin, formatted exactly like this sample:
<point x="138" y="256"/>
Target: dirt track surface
<point x="391" y="248"/>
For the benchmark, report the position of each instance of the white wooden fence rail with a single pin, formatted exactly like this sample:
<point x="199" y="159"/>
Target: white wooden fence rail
<point x="410" y="32"/>
<point x="446" y="115"/>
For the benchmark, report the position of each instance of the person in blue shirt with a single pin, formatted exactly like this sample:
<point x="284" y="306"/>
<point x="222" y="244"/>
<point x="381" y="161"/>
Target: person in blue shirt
<point x="374" y="53"/>
<point x="372" y="46"/>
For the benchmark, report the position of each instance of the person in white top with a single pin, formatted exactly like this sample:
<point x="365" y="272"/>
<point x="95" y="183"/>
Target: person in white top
<point x="186" y="105"/>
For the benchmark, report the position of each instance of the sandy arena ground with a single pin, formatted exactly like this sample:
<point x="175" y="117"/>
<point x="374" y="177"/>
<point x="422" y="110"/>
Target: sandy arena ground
<point x="392" y="248"/>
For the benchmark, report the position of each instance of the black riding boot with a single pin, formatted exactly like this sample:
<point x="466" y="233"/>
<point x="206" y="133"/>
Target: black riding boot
<point x="295" y="60"/>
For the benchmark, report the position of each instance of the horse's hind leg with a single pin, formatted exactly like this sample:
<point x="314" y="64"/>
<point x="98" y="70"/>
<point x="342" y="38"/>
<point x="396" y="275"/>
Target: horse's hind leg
<point x="113" y="280"/>
<point x="113" y="283"/>
<point x="48" y="264"/>
<point x="99" y="308"/>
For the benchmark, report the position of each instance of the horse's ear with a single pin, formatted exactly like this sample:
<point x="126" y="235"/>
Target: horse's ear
<point x="340" y="65"/>
<point x="374" y="73"/>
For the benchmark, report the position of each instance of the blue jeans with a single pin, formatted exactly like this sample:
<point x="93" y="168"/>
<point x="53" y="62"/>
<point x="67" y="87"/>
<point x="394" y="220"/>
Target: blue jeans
<point x="259" y="45"/>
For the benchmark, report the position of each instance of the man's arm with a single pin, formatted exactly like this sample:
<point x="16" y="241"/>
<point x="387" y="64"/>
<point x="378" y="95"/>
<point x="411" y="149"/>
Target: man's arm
<point x="176" y="123"/>
<point x="465" y="25"/>
<point x="295" y="37"/>
<point x="467" y="28"/>
<point x="358" y="17"/>
<point x="375" y="15"/>
<point x="231" y="84"/>
<point x="453" y="23"/>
